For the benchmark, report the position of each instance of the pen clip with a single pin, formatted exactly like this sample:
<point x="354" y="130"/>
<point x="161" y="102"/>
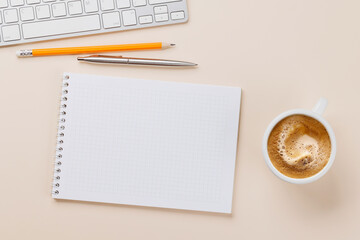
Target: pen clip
<point x="105" y="56"/>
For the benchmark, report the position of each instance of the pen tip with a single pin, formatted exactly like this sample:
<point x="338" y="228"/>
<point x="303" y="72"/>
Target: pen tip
<point x="80" y="59"/>
<point x="172" y="44"/>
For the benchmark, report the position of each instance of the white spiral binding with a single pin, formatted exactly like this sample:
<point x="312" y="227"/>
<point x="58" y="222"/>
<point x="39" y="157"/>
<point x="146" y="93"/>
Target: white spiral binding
<point x="60" y="136"/>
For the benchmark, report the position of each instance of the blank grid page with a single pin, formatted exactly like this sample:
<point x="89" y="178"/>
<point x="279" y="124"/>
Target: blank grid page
<point x="149" y="143"/>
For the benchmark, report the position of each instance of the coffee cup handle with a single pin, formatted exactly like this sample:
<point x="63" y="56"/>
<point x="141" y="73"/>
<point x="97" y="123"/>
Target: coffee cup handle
<point x="320" y="106"/>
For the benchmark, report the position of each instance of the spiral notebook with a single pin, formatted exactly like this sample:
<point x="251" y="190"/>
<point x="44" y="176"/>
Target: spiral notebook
<point x="148" y="143"/>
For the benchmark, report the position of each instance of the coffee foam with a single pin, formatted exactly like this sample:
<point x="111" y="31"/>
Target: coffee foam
<point x="299" y="146"/>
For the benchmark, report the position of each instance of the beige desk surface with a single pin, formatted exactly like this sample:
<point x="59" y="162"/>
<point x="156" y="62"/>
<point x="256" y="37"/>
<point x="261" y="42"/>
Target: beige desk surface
<point x="284" y="54"/>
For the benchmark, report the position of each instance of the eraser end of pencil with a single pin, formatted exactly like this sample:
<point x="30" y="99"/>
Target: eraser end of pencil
<point x="24" y="53"/>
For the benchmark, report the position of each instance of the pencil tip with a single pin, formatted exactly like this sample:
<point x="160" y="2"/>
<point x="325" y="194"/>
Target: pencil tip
<point x="167" y="45"/>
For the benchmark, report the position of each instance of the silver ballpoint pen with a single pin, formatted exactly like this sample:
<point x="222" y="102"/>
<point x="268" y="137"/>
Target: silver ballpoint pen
<point x="135" y="61"/>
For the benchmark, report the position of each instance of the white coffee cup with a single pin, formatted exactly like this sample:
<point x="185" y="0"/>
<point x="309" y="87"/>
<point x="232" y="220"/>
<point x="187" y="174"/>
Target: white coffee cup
<point x="316" y="113"/>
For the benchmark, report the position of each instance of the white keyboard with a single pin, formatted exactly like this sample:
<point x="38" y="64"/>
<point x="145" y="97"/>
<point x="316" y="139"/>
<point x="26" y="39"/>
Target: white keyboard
<point x="23" y="21"/>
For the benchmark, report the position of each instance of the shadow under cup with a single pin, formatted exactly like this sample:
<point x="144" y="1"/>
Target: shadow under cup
<point x="310" y="114"/>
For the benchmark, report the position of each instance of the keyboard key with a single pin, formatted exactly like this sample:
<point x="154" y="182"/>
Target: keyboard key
<point x="3" y="3"/>
<point x="43" y="11"/>
<point x="0" y="18"/>
<point x="123" y="3"/>
<point x="162" y="1"/>
<point x="75" y="7"/>
<point x="61" y="26"/>
<point x="107" y="5"/>
<point x="160" y="9"/>
<point x="138" y="3"/>
<point x="111" y="20"/>
<point x="177" y="15"/>
<point x="10" y="16"/>
<point x="15" y="3"/>
<point x="129" y="17"/>
<point x="32" y="1"/>
<point x="91" y="6"/>
<point x="146" y="19"/>
<point x="11" y="33"/>
<point x="47" y="1"/>
<point x="161" y="17"/>
<point x="58" y="9"/>
<point x="27" y="14"/>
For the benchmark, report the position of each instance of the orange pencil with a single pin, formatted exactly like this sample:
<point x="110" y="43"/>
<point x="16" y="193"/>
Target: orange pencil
<point x="92" y="49"/>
